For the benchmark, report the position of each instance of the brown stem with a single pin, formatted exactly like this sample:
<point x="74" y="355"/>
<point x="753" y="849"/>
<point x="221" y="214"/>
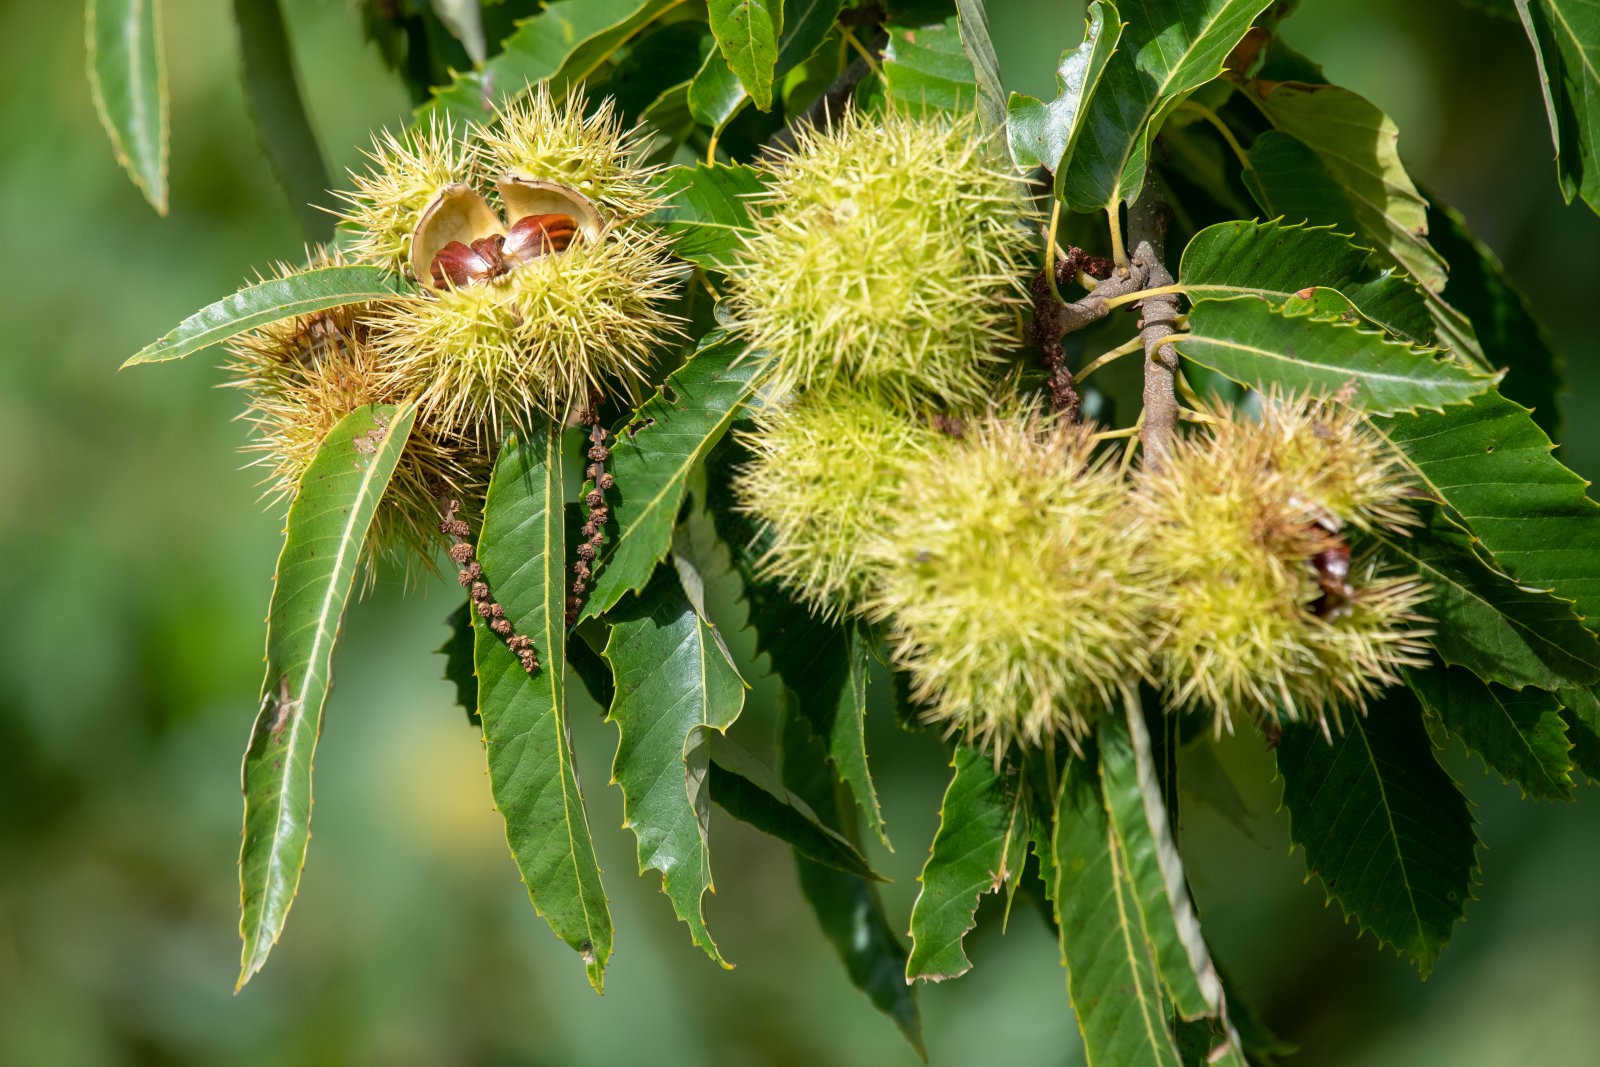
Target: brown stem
<point x="1147" y="233"/>
<point x="1047" y="333"/>
<point x="1053" y="319"/>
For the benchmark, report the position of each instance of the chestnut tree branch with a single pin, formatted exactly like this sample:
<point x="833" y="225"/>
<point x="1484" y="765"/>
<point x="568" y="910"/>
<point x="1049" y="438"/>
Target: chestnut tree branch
<point x="1147" y="234"/>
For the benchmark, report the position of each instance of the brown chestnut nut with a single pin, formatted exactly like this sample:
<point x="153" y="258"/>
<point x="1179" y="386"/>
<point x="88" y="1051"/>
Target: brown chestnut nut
<point x="535" y="235"/>
<point x="458" y="264"/>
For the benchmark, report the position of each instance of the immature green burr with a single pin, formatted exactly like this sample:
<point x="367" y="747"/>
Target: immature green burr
<point x="1267" y="613"/>
<point x="887" y="255"/>
<point x="1014" y="596"/>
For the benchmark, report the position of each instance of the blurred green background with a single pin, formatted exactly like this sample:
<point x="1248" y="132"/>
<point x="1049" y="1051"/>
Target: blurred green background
<point x="139" y="566"/>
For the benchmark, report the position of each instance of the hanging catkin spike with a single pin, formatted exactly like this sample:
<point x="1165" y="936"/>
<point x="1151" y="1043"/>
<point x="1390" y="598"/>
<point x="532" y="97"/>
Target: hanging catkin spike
<point x="597" y="513"/>
<point x="472" y="579"/>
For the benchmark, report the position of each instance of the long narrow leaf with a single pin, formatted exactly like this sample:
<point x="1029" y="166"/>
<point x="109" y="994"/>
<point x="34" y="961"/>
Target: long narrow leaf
<point x="266" y="302"/>
<point x="523" y="552"/>
<point x="1112" y="975"/>
<point x="754" y="793"/>
<point x="1276" y="261"/>
<point x="561" y="45"/>
<point x="1139" y="820"/>
<point x="1168" y="49"/>
<point x="1042" y="134"/>
<point x="847" y="906"/>
<point x="1382" y="825"/>
<point x="973" y="23"/>
<point x="981" y="816"/>
<point x="327" y="524"/>
<point x="1519" y="734"/>
<point x="128" y="80"/>
<point x="746" y="33"/>
<point x="1299" y="346"/>
<point x="654" y="456"/>
<point x="1496" y="470"/>
<point x="1566" y="44"/>
<point x="674" y="683"/>
<point x="279" y="112"/>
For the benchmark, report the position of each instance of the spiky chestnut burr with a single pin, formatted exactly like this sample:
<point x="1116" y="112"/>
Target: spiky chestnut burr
<point x="887" y="256"/>
<point x="537" y="341"/>
<point x="539" y="138"/>
<point x="1267" y="613"/>
<point x="302" y="376"/>
<point x="405" y="174"/>
<point x="476" y="584"/>
<point x="1016" y="601"/>
<point x="824" y="469"/>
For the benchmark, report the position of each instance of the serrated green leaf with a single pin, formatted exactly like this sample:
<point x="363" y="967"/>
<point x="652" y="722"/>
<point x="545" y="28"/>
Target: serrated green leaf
<point x="1144" y="836"/>
<point x="844" y="732"/>
<point x="1580" y="711"/>
<point x="1353" y="176"/>
<point x="278" y="113"/>
<point x="973" y="23"/>
<point x="981" y="813"/>
<point x="459" y="669"/>
<point x="1112" y="976"/>
<point x="746" y="32"/>
<point x="1519" y="734"/>
<point x="674" y="683"/>
<point x="1275" y="261"/>
<point x="1565" y="35"/>
<point x="1501" y="631"/>
<point x="927" y="67"/>
<point x="1493" y="466"/>
<point x="848" y="908"/>
<point x="128" y="80"/>
<point x="1290" y="182"/>
<point x="754" y="793"/>
<point x="560" y="46"/>
<point x="1294" y="346"/>
<point x="1358" y="144"/>
<point x="266" y="302"/>
<point x="822" y="668"/>
<point x="1383" y="826"/>
<point x="1168" y="49"/>
<point x="716" y="94"/>
<point x="523" y="552"/>
<point x="708" y="211"/>
<point x="654" y="455"/>
<point x="1042" y="134"/>
<point x="327" y="524"/>
<point x="1507" y="331"/>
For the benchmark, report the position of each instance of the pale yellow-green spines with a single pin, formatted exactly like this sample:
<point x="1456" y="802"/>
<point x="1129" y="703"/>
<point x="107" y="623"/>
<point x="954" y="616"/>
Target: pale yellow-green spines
<point x="305" y="374"/>
<point x="406" y="171"/>
<point x="1265" y="612"/>
<point x="496" y="333"/>
<point x="824" y="471"/>
<point x="542" y="138"/>
<point x="1012" y="596"/>
<point x="543" y="341"/>
<point x="491" y="341"/>
<point x="887" y="256"/>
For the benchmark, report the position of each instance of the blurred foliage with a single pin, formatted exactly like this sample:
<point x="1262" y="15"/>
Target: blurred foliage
<point x="126" y="692"/>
